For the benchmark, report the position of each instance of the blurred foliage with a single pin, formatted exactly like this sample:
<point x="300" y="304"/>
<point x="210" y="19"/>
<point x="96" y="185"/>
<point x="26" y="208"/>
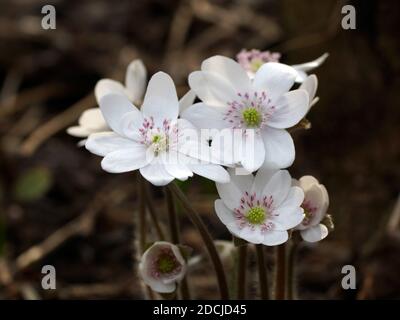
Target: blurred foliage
<point x="32" y="184"/>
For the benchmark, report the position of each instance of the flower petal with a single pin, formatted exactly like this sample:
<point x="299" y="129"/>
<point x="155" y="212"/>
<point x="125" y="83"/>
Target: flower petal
<point x="290" y="108"/>
<point x="156" y="174"/>
<point x="125" y="160"/>
<point x="310" y="84"/>
<point x="161" y="101"/>
<point x="205" y="117"/>
<point x="93" y="120"/>
<point x="78" y="131"/>
<point x="261" y="179"/>
<point x="211" y="88"/>
<point x="113" y="108"/>
<point x="294" y="198"/>
<point x="230" y="70"/>
<point x="287" y="218"/>
<point x="135" y="80"/>
<point x="224" y="214"/>
<point x="308" y="66"/>
<point x="279" y="148"/>
<point x="274" y="78"/>
<point x="316" y="197"/>
<point x="107" y="86"/>
<point x="278" y="187"/>
<point x="103" y="143"/>
<point x="186" y="101"/>
<point x="274" y="238"/>
<point x="230" y="193"/>
<point x="253" y="152"/>
<point x="306" y="182"/>
<point x="315" y="233"/>
<point x="210" y="171"/>
<point x="243" y="182"/>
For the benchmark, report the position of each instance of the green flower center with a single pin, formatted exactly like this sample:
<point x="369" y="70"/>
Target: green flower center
<point x="256" y="64"/>
<point x="159" y="142"/>
<point x="156" y="138"/>
<point x="256" y="215"/>
<point x="252" y="117"/>
<point x="166" y="264"/>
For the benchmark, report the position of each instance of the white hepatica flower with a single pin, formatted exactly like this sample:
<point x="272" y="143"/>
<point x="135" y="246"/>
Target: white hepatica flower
<point x="315" y="205"/>
<point x="162" y="266"/>
<point x="263" y="106"/>
<point x="152" y="140"/>
<point x="252" y="60"/>
<point x="260" y="209"/>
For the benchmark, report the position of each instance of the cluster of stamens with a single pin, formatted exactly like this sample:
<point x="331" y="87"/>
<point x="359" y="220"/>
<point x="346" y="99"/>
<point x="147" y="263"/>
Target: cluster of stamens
<point x="158" y="138"/>
<point x="309" y="212"/>
<point x="254" y="212"/>
<point x="165" y="264"/>
<point x="249" y="111"/>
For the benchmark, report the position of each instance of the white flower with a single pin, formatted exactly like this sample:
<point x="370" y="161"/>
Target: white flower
<point x="252" y="60"/>
<point x="315" y="205"/>
<point x="262" y="106"/>
<point x="162" y="266"/>
<point x="260" y="209"/>
<point x="152" y="140"/>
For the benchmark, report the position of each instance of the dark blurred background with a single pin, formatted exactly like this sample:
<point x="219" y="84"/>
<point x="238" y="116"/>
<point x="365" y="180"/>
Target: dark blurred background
<point x="58" y="207"/>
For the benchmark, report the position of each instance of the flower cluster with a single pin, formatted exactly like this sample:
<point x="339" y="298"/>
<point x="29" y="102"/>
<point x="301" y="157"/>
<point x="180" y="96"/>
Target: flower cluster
<point x="242" y="122"/>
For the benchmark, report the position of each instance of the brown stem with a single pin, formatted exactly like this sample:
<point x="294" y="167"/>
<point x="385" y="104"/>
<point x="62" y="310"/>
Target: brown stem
<point x="153" y="215"/>
<point x="207" y="239"/>
<point x="291" y="270"/>
<point x="262" y="272"/>
<point x="175" y="238"/>
<point x="241" y="275"/>
<point x="280" y="272"/>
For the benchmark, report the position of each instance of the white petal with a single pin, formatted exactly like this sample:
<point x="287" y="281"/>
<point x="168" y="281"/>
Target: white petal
<point x="211" y="171"/>
<point x="278" y="187"/>
<point x="131" y="123"/>
<point x="243" y="182"/>
<point x="113" y="108"/>
<point x="306" y="182"/>
<point x="135" y="80"/>
<point x="156" y="174"/>
<point x="125" y="160"/>
<point x="107" y="86"/>
<point x="279" y="148"/>
<point x="230" y="193"/>
<point x="205" y="117"/>
<point x="93" y="119"/>
<point x="301" y="76"/>
<point x="261" y="179"/>
<point x="227" y="146"/>
<point x="315" y="233"/>
<point x="294" y="198"/>
<point x="79" y="132"/>
<point x="161" y="101"/>
<point x="308" y="66"/>
<point x="290" y="108"/>
<point x="186" y="101"/>
<point x="274" y="238"/>
<point x="211" y="88"/>
<point x="287" y="218"/>
<point x="223" y="213"/>
<point x="103" y="143"/>
<point x="253" y="236"/>
<point x="175" y="167"/>
<point x="230" y="70"/>
<point x="275" y="79"/>
<point x="315" y="196"/>
<point x="253" y="152"/>
<point x="310" y="85"/>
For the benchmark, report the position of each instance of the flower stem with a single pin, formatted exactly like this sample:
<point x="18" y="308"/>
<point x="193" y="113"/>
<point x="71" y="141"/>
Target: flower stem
<point x="153" y="215"/>
<point x="280" y="284"/>
<point x="207" y="239"/>
<point x="241" y="275"/>
<point x="175" y="238"/>
<point x="262" y="272"/>
<point x="291" y="270"/>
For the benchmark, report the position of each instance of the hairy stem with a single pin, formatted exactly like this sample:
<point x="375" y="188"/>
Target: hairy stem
<point x="262" y="272"/>
<point x="280" y="284"/>
<point x="241" y="275"/>
<point x="207" y="239"/>
<point x="175" y="238"/>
